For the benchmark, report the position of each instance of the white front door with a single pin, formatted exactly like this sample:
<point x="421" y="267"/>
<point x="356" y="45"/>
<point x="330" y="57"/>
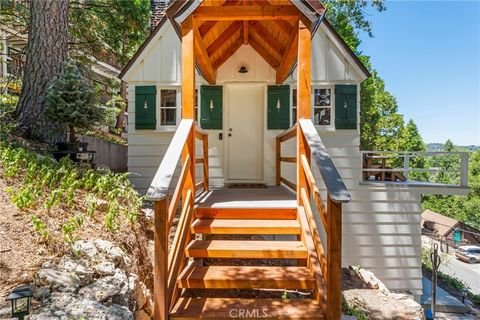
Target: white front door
<point x="244" y="132"/>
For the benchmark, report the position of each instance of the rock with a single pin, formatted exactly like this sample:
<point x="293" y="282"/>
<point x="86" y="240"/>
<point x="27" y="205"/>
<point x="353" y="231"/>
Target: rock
<point x="68" y="306"/>
<point x="117" y="312"/>
<point x="106" y="287"/>
<point x="58" y="280"/>
<point x="102" y="205"/>
<point x="6" y="311"/>
<point x="40" y="293"/>
<point x="84" y="273"/>
<point x="113" y="253"/>
<point x="85" y="248"/>
<point x="140" y="293"/>
<point x="371" y="280"/>
<point x="105" y="268"/>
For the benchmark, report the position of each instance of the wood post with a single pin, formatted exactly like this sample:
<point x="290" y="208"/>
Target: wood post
<point x="303" y="100"/>
<point x="205" y="162"/>
<point x="278" y="164"/>
<point x="188" y="100"/>
<point x="160" y="276"/>
<point x="334" y="260"/>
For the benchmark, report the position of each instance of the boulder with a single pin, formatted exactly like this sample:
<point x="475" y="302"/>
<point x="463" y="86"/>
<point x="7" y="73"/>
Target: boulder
<point x="85" y="274"/>
<point x="113" y="253"/>
<point x="105" y="268"/>
<point x="85" y="248"/>
<point x="117" y="312"/>
<point x="58" y="280"/>
<point x="40" y="293"/>
<point x="69" y="306"/>
<point x="105" y="288"/>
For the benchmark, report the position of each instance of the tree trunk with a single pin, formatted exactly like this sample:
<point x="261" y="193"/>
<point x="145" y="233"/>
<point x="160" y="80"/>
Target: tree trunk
<point x="46" y="51"/>
<point x="121" y="116"/>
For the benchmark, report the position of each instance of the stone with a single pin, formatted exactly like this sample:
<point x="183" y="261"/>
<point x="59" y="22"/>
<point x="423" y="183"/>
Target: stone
<point x="40" y="293"/>
<point x="69" y="306"/>
<point x="105" y="268"/>
<point x="58" y="280"/>
<point x="85" y="274"/>
<point x="113" y="253"/>
<point x="106" y="287"/>
<point x="117" y="312"/>
<point x="85" y="248"/>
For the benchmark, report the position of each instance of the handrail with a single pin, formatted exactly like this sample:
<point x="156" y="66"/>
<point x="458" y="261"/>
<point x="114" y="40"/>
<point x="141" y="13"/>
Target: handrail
<point x="288" y="134"/>
<point x="333" y="182"/>
<point x="158" y="189"/>
<point x="169" y="260"/>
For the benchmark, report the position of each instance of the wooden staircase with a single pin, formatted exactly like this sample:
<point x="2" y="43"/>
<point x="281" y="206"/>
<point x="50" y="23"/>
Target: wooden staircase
<point x="235" y="252"/>
<point x="232" y="275"/>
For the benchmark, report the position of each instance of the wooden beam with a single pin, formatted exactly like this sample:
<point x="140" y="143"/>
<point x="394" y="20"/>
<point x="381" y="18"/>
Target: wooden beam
<point x="304" y="72"/>
<point x="269" y="39"/>
<point x="249" y="12"/>
<point x="230" y="31"/>
<point x="245" y="32"/>
<point x="264" y="54"/>
<point x="202" y="57"/>
<point x="228" y="53"/>
<point x="288" y="58"/>
<point x="282" y="24"/>
<point x="334" y="259"/>
<point x="205" y="27"/>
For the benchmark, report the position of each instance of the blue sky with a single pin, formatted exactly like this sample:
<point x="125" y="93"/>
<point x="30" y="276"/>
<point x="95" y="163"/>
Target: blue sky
<point x="428" y="53"/>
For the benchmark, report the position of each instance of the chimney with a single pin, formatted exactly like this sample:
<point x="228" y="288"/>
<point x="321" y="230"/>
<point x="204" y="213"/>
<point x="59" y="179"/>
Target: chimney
<point x="157" y="12"/>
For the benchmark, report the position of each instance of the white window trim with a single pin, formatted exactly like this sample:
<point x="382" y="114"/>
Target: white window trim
<point x="331" y="126"/>
<point x="178" y="113"/>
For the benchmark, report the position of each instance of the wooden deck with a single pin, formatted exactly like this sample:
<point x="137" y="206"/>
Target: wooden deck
<point x="224" y="198"/>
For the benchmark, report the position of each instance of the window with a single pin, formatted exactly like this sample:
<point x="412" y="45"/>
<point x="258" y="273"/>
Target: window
<point x="168" y="107"/>
<point x="322" y="106"/>
<point x="294" y="106"/>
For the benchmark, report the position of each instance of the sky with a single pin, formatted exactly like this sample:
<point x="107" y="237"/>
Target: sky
<point x="428" y="53"/>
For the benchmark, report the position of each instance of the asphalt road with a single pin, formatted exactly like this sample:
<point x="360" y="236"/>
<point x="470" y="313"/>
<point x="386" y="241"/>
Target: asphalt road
<point x="469" y="273"/>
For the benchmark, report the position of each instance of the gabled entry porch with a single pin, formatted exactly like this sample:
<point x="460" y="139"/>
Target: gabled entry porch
<point x="280" y="31"/>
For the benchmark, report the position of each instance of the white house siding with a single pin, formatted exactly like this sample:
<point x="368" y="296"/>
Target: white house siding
<point x="381" y="229"/>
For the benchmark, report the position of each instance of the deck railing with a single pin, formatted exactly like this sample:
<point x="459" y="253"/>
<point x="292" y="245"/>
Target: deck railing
<point x="169" y="260"/>
<point x="403" y="166"/>
<point x="326" y="264"/>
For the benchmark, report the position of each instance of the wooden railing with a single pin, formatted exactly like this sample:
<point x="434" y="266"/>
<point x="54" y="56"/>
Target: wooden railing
<point x="326" y="264"/>
<point x="170" y="260"/>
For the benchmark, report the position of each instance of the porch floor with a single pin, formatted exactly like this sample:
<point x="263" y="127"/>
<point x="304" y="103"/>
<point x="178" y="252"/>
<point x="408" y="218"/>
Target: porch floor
<point x="270" y="197"/>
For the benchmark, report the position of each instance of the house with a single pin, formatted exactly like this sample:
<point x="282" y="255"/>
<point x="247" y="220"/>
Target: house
<point x="448" y="229"/>
<point x="248" y="111"/>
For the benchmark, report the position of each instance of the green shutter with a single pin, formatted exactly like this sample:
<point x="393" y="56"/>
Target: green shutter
<point x="145" y="107"/>
<point x="211" y="118"/>
<point x="278" y="111"/>
<point x="346" y="107"/>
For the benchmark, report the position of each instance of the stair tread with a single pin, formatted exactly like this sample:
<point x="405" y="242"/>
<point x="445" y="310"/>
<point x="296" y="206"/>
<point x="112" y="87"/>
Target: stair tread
<point x="227" y="308"/>
<point x="245" y="226"/>
<point x="245" y="277"/>
<point x="270" y="213"/>
<point x="246" y="249"/>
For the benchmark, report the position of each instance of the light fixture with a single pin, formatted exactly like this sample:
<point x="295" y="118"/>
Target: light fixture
<point x="20" y="298"/>
<point x="243" y="69"/>
<point x="278" y="105"/>
<point x="211" y="105"/>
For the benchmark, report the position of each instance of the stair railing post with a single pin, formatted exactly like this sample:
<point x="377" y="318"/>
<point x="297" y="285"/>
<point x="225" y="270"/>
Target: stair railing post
<point x="278" y="165"/>
<point x="205" y="162"/>
<point x="334" y="260"/>
<point x="160" y="277"/>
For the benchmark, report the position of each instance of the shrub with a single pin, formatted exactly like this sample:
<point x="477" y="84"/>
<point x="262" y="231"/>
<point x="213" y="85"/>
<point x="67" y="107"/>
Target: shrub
<point x="71" y="100"/>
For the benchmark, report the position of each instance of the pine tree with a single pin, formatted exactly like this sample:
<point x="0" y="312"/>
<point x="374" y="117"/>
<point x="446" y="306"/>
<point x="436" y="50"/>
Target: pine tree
<point x="71" y="100"/>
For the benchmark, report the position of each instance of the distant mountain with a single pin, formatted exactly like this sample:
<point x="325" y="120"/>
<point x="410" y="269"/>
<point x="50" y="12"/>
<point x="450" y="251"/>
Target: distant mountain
<point x="439" y="147"/>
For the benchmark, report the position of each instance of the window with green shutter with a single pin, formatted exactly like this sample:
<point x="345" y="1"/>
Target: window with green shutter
<point x="211" y="107"/>
<point x="278" y="107"/>
<point x="145" y="107"/>
<point x="346" y="107"/>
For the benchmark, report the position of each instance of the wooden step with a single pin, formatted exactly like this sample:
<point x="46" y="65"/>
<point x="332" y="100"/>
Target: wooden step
<point x="287" y="213"/>
<point x="246" y="249"/>
<point x="246" y="277"/>
<point x="245" y="226"/>
<point x="222" y="308"/>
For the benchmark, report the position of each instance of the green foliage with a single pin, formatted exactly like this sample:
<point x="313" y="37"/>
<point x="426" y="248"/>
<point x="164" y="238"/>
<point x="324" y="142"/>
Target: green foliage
<point x="465" y="209"/>
<point x="39" y="183"/>
<point x="352" y="311"/>
<point x="8" y="104"/>
<point x="71" y="100"/>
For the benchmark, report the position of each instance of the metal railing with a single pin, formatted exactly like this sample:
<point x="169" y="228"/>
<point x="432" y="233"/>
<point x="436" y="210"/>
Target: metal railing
<point x="402" y="166"/>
